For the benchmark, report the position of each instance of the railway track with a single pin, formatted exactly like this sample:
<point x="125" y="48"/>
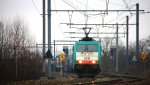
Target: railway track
<point x="109" y="79"/>
<point x="104" y="79"/>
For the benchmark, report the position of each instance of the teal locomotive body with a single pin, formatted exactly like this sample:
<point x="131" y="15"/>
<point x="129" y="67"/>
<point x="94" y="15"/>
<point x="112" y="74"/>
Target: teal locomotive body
<point x="87" y="58"/>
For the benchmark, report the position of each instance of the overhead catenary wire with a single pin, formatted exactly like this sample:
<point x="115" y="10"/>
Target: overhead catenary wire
<point x="61" y="19"/>
<point x="72" y="6"/>
<point x="57" y="12"/>
<point x="107" y="2"/>
<point x="112" y="3"/>
<point x="146" y="10"/>
<point x="118" y="16"/>
<point x="86" y="8"/>
<point x="35" y="7"/>
<point x="103" y="18"/>
<point x="55" y="5"/>
<point x="102" y="14"/>
<point x="58" y="25"/>
<point x="127" y="6"/>
<point x="83" y="4"/>
<point x="86" y="15"/>
<point x="70" y="17"/>
<point x="122" y="25"/>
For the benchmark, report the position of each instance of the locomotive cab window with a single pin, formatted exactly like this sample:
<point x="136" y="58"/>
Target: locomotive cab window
<point x="87" y="48"/>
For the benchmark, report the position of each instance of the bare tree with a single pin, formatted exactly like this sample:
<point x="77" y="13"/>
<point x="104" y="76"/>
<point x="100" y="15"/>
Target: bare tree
<point x="17" y="59"/>
<point x="106" y="64"/>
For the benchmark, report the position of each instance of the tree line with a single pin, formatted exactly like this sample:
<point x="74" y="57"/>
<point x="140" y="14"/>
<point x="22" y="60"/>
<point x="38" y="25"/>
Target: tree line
<point x="18" y="61"/>
<point x="126" y="64"/>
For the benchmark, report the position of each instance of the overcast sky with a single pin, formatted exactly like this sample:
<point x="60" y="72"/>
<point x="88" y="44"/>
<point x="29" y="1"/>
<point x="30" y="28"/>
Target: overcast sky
<point x="30" y="10"/>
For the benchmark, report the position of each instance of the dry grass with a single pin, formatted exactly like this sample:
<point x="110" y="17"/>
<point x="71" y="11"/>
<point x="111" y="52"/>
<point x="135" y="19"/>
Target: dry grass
<point x="70" y="82"/>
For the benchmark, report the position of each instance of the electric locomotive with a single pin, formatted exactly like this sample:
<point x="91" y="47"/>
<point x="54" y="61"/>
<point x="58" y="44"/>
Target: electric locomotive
<point x="87" y="56"/>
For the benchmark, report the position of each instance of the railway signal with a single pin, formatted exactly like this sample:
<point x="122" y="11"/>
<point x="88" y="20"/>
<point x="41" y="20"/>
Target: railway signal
<point x="62" y="57"/>
<point x="144" y="56"/>
<point x="48" y="54"/>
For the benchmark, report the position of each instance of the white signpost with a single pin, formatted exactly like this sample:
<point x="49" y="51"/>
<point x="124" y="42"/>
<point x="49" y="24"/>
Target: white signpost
<point x="134" y="59"/>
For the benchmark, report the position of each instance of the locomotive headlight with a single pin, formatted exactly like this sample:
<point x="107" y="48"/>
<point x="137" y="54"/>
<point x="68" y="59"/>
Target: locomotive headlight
<point x="80" y="61"/>
<point x="86" y="54"/>
<point x="93" y="62"/>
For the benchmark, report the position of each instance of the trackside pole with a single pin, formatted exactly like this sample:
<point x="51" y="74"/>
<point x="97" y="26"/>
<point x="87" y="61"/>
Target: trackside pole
<point x="49" y="38"/>
<point x="117" y="48"/>
<point x="44" y="59"/>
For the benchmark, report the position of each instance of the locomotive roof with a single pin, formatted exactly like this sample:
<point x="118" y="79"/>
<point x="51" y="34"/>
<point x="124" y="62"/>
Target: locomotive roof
<point x="87" y="39"/>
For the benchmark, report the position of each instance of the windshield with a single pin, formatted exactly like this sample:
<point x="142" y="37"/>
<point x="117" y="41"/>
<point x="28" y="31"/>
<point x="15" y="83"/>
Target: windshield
<point x="87" y="48"/>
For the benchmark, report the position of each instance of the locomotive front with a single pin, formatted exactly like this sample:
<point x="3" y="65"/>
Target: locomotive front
<point x="87" y="58"/>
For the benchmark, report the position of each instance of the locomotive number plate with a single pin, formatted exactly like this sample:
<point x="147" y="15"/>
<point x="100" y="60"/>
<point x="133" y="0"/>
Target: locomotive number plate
<point x="86" y="58"/>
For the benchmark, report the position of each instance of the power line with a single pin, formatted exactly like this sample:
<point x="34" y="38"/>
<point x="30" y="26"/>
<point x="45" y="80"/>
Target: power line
<point x="148" y="8"/>
<point x="126" y="6"/>
<point x="71" y="6"/>
<point x="107" y="3"/>
<point x="94" y="32"/>
<point x="94" y="24"/>
<point x="60" y="17"/>
<point x="113" y="3"/>
<point x="95" y="10"/>
<point x="55" y="4"/>
<point x="83" y="4"/>
<point x="35" y="6"/>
